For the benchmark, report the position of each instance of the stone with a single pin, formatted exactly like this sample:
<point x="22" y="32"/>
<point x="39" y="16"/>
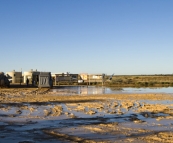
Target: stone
<point x="4" y="82"/>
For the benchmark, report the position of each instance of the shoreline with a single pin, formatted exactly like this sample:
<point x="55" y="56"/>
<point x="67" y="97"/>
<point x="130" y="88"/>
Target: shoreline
<point x="109" y="86"/>
<point x="40" y="115"/>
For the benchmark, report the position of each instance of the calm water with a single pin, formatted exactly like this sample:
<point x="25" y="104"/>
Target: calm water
<point x="84" y="90"/>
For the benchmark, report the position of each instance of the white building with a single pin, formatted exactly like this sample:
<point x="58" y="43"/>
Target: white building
<point x="14" y="76"/>
<point x="31" y="75"/>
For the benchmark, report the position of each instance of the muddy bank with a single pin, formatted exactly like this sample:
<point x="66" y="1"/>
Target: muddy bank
<point x="40" y="115"/>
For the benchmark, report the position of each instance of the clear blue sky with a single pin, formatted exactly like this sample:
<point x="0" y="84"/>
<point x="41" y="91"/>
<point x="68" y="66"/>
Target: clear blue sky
<point x="91" y="36"/>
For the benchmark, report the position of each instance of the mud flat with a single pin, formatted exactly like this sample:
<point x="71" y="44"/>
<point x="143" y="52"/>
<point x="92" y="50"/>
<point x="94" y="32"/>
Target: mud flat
<point x="39" y="115"/>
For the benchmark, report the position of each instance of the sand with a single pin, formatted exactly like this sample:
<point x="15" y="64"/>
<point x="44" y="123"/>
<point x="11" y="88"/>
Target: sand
<point x="39" y="115"/>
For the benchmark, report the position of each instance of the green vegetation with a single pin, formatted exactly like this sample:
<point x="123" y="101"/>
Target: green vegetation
<point x="141" y="81"/>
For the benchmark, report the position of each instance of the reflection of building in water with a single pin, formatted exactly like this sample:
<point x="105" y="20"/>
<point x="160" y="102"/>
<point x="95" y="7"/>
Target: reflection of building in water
<point x="103" y="90"/>
<point x="83" y="90"/>
<point x="97" y="90"/>
<point x="91" y="90"/>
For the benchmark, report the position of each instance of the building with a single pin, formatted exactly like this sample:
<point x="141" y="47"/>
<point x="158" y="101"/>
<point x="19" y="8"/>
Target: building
<point x="14" y="76"/>
<point x="91" y="78"/>
<point x="84" y="76"/>
<point x="33" y="76"/>
<point x="65" y="78"/>
<point x="45" y="79"/>
<point x="95" y="78"/>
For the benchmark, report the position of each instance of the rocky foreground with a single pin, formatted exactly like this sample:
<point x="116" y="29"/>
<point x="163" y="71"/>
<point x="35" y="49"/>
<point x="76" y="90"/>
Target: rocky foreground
<point x="40" y="115"/>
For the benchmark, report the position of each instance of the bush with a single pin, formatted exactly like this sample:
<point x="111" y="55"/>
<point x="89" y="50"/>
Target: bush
<point x="146" y="83"/>
<point x="151" y="83"/>
<point x="142" y="84"/>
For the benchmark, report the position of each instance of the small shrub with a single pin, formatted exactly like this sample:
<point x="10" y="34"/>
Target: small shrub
<point x="146" y="83"/>
<point x="151" y="83"/>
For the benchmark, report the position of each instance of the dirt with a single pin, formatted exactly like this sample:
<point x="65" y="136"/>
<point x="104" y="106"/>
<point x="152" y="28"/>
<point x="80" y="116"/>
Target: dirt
<point x="40" y="115"/>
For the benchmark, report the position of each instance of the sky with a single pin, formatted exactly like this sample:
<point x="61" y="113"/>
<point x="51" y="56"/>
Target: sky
<point x="124" y="37"/>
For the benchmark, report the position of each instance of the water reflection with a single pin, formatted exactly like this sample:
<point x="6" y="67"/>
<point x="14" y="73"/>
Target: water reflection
<point x="149" y="90"/>
<point x="84" y="90"/>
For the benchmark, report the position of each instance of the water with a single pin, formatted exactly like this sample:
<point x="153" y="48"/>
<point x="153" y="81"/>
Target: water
<point x="149" y="90"/>
<point x="84" y="90"/>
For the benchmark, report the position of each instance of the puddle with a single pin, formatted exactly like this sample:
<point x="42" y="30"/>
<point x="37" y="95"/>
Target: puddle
<point x="111" y="118"/>
<point x="90" y="90"/>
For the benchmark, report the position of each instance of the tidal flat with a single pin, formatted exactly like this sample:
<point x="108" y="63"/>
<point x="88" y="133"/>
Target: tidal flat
<point x="40" y="115"/>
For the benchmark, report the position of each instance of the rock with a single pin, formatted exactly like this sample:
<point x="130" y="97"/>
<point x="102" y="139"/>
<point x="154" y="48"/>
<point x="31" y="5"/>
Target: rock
<point x="4" y="82"/>
<point x="19" y="111"/>
<point x="91" y="112"/>
<point x="72" y="115"/>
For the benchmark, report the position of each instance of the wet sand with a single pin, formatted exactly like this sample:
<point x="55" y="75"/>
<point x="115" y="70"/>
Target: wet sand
<point x="40" y="115"/>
